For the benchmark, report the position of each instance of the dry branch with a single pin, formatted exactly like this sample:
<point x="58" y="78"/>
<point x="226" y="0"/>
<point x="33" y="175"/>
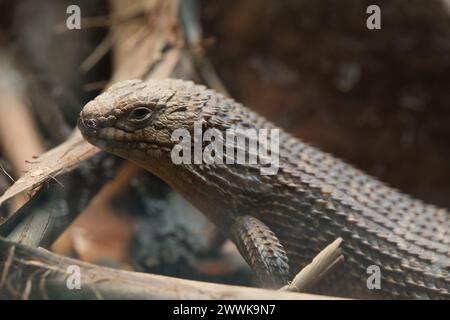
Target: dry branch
<point x="61" y="159"/>
<point x="43" y="274"/>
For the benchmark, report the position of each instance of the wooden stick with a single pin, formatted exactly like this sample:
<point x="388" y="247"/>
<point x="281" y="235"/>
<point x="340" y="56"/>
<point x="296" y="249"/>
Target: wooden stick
<point x="39" y="274"/>
<point x="322" y="264"/>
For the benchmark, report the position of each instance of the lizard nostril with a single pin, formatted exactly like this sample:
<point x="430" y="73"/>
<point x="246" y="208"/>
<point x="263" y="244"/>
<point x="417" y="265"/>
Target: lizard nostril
<point x="91" y="123"/>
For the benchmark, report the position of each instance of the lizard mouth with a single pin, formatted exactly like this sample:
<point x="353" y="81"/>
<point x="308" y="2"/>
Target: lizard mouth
<point x="108" y="138"/>
<point x="111" y="144"/>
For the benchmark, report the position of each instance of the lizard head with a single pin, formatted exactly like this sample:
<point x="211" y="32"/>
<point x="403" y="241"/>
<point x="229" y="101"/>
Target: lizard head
<point x="146" y="122"/>
<point x="135" y="119"/>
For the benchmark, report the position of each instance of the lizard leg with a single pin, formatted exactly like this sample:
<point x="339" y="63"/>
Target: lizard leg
<point x="262" y="250"/>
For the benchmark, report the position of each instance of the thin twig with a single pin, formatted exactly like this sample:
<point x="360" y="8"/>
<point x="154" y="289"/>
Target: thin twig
<point x="98" y="53"/>
<point x="191" y="22"/>
<point x="42" y="282"/>
<point x="321" y="265"/>
<point x="7" y="265"/>
<point x="56" y="180"/>
<point x="6" y="173"/>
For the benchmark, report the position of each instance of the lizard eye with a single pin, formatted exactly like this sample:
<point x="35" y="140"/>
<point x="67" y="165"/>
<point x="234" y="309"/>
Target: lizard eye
<point x="140" y="114"/>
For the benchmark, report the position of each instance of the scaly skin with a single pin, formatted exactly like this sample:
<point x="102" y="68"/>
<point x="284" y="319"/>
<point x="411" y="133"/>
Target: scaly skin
<point x="313" y="199"/>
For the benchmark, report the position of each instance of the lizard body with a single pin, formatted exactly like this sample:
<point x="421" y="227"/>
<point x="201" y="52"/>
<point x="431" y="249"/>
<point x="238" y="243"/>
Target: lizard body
<point x="280" y="221"/>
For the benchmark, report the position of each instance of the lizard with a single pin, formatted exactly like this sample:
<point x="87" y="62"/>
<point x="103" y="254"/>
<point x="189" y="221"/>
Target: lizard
<point x="278" y="221"/>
